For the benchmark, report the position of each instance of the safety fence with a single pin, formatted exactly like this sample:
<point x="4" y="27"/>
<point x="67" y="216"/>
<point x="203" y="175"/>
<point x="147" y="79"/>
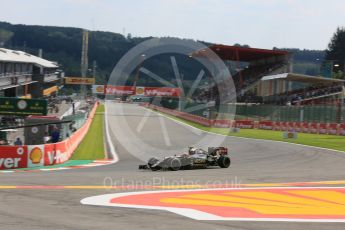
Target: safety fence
<point x="29" y="156"/>
<point x="305" y="113"/>
<point x="304" y="127"/>
<point x="321" y="113"/>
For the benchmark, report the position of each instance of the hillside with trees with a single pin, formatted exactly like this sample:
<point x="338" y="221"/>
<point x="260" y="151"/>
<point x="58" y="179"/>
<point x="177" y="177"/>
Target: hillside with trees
<point x="63" y="45"/>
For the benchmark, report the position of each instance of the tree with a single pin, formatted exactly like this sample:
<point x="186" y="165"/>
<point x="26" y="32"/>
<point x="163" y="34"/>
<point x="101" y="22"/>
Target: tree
<point x="5" y="35"/>
<point x="336" y="48"/>
<point x="129" y="36"/>
<point x="338" y="74"/>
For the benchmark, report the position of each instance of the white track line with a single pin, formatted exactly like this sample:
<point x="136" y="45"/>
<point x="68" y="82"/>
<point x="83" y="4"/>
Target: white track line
<point x="193" y="129"/>
<point x="111" y="145"/>
<point x="143" y="121"/>
<point x="165" y="131"/>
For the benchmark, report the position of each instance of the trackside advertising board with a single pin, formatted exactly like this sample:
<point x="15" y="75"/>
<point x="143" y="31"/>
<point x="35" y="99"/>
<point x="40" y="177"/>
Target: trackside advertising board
<point x="79" y="81"/>
<point x="20" y="106"/>
<point x="28" y="156"/>
<point x="303" y="127"/>
<point x="161" y="92"/>
<point x="139" y="91"/>
<point x="13" y="157"/>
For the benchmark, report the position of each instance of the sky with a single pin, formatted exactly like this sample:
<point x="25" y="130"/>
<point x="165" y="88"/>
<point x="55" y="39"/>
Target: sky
<point x="304" y="24"/>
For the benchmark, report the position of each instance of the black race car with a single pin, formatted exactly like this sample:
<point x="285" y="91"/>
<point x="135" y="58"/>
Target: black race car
<point x="195" y="158"/>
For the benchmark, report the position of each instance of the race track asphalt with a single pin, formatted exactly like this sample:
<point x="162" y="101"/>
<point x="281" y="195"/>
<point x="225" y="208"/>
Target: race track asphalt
<point x="137" y="134"/>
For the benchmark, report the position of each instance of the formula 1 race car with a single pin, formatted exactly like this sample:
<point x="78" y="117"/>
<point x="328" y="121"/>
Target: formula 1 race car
<point x="195" y="158"/>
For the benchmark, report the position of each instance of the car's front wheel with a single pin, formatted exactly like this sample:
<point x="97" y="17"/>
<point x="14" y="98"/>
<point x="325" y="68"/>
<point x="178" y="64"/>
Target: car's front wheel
<point x="152" y="162"/>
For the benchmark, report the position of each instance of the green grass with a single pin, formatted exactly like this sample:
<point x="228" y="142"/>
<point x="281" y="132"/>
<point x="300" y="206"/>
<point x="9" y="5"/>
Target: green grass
<point x="92" y="147"/>
<point x="317" y="140"/>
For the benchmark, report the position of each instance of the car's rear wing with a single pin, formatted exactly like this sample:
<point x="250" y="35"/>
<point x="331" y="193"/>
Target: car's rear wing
<point x="219" y="150"/>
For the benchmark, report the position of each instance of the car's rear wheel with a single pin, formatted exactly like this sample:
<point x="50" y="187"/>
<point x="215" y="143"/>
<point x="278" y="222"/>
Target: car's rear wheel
<point x="175" y="164"/>
<point x="224" y="161"/>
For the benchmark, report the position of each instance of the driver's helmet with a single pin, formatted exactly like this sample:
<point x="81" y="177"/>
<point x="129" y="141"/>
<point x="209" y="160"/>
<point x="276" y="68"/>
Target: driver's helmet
<point x="192" y="150"/>
<point x="199" y="151"/>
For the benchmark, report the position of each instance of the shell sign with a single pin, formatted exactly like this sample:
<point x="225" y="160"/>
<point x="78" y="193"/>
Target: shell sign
<point x="98" y="89"/>
<point x="140" y="91"/>
<point x="35" y="155"/>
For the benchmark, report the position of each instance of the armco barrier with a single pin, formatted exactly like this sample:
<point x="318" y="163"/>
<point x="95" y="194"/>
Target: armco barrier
<point x="267" y="125"/>
<point x="333" y="129"/>
<point x="27" y="156"/>
<point x="221" y="123"/>
<point x="342" y="129"/>
<point x="303" y="127"/>
<point x="244" y="124"/>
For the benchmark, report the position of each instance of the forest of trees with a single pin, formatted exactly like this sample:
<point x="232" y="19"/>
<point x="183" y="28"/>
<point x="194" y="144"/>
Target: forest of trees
<point x="336" y="52"/>
<point x="63" y="44"/>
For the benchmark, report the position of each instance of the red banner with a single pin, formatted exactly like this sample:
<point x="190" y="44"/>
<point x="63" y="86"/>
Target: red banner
<point x="276" y="125"/>
<point x="333" y="129"/>
<point x="323" y="128"/>
<point x="49" y="156"/>
<point x="342" y="129"/>
<point x="161" y="92"/>
<point x="140" y="91"/>
<point x="301" y="127"/>
<point x="119" y="90"/>
<point x="313" y="127"/>
<point x="12" y="157"/>
<point x="283" y="126"/>
<point x="244" y="124"/>
<point x="305" y="127"/>
<point x="268" y="125"/>
<point x="221" y="123"/>
<point x="290" y="126"/>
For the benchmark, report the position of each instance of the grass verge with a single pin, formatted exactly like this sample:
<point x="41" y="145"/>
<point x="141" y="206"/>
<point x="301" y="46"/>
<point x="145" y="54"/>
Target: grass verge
<point x="316" y="140"/>
<point x="92" y="147"/>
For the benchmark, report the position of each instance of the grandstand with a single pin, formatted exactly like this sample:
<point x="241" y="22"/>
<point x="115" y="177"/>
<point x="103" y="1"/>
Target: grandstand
<point x="268" y="90"/>
<point x="247" y="66"/>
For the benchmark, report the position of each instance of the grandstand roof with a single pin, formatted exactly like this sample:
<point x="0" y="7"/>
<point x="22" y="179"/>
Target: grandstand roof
<point x="301" y="78"/>
<point x="7" y="55"/>
<point x="236" y="53"/>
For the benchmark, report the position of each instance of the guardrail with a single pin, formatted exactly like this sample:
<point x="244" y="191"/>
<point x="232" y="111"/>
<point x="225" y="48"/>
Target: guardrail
<point x="28" y="156"/>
